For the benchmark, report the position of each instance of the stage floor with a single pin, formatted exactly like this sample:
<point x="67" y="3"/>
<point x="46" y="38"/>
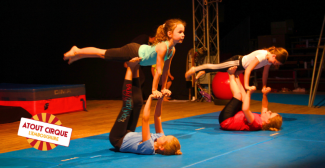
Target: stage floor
<point x="300" y="142"/>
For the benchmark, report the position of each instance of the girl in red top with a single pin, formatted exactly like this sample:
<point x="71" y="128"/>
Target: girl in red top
<point x="236" y="115"/>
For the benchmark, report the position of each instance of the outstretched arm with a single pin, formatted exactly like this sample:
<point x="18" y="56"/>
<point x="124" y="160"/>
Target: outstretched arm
<point x="246" y="105"/>
<point x="247" y="74"/>
<point x="145" y="120"/>
<point x="157" y="116"/>
<point x="265" y="75"/>
<point x="265" y="101"/>
<point x="161" y="50"/>
<point x="165" y="74"/>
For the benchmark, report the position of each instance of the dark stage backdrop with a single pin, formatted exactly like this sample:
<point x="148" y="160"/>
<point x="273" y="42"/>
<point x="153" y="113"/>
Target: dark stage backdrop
<point x="35" y="34"/>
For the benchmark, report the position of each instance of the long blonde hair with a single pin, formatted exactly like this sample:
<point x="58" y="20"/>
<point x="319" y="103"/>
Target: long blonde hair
<point x="281" y="53"/>
<point x="169" y="25"/>
<point x="172" y="148"/>
<point x="274" y="124"/>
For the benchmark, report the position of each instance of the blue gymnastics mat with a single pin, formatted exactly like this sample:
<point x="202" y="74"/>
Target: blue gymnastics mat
<point x="300" y="143"/>
<point x="295" y="99"/>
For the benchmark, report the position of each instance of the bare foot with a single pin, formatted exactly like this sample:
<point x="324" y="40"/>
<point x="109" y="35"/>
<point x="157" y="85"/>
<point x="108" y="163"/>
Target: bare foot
<point x="133" y="62"/>
<point x="266" y="90"/>
<point x="251" y="89"/>
<point x="71" y="55"/>
<point x="199" y="75"/>
<point x="232" y="70"/>
<point x="190" y="72"/>
<point x="135" y="59"/>
<point x="73" y="51"/>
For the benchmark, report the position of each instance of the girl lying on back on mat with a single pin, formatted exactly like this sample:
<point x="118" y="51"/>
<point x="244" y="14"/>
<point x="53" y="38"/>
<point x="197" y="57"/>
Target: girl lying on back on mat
<point x="160" y="52"/>
<point x="254" y="60"/>
<point x="236" y="114"/>
<point x="122" y="135"/>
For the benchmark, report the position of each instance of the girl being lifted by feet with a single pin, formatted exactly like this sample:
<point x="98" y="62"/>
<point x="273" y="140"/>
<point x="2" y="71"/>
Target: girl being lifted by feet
<point x="161" y="52"/>
<point x="255" y="60"/>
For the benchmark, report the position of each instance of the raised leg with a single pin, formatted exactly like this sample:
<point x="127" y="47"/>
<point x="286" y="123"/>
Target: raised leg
<point x="119" y="129"/>
<point x="76" y="53"/>
<point x="233" y="84"/>
<point x="235" y="104"/>
<point x="126" y="117"/>
<point x="136" y="97"/>
<point x="239" y="84"/>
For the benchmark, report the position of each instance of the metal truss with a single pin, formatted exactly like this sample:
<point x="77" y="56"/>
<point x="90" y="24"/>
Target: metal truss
<point x="206" y="33"/>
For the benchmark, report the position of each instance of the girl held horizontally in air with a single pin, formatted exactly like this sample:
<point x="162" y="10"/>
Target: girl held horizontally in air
<point x="255" y="60"/>
<point x="237" y="116"/>
<point x="160" y="52"/>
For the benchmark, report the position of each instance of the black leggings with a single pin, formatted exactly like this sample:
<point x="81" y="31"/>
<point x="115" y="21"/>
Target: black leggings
<point x="230" y="110"/>
<point x="222" y="67"/>
<point x="128" y="117"/>
<point x="124" y="53"/>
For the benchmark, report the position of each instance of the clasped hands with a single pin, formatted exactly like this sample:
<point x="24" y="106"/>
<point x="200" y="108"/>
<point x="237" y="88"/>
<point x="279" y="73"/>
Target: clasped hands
<point x="265" y="90"/>
<point x="164" y="92"/>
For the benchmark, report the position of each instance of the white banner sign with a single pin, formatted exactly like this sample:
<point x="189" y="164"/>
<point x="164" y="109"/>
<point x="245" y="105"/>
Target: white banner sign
<point x="44" y="132"/>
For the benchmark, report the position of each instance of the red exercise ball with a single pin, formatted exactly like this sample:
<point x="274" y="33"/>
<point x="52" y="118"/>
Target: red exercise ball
<point x="221" y="87"/>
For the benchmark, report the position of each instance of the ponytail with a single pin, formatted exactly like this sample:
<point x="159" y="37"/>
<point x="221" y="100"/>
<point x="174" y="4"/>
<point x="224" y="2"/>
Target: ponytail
<point x="169" y="25"/>
<point x="161" y="35"/>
